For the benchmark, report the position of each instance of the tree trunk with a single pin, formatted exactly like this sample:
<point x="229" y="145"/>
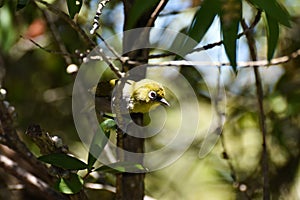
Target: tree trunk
<point x="130" y="186"/>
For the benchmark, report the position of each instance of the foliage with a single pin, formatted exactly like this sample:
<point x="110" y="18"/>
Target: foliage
<point x="74" y="7"/>
<point x="40" y="91"/>
<point x="230" y="13"/>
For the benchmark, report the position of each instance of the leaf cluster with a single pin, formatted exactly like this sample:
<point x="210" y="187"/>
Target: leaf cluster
<point x="230" y="15"/>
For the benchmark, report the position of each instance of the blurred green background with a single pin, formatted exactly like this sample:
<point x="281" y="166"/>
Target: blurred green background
<point x="40" y="89"/>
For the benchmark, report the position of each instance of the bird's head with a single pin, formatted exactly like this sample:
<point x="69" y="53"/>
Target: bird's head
<point x="147" y="94"/>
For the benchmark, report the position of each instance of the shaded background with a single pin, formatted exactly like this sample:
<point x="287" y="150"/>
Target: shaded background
<point x="40" y="89"/>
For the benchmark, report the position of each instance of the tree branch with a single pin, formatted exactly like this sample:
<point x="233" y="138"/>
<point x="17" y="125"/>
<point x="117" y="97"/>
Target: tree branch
<point x="10" y="138"/>
<point x="262" y="118"/>
<point x="246" y="64"/>
<point x="29" y="179"/>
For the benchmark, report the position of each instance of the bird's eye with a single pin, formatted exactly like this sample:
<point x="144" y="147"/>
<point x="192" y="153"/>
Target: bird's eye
<point x="152" y="95"/>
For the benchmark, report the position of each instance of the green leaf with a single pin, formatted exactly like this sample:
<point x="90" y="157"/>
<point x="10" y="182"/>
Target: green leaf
<point x="139" y="8"/>
<point x="63" y="161"/>
<point x="202" y="20"/>
<point x="274" y="9"/>
<point x="74" y="7"/>
<point x="70" y="185"/>
<point x="21" y="4"/>
<point x="272" y="35"/>
<point x="99" y="141"/>
<point x="108" y="125"/>
<point x="120" y="167"/>
<point x="8" y="30"/>
<point x="231" y="14"/>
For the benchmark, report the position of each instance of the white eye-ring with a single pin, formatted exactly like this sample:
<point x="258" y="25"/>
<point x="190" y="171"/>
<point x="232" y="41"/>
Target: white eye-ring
<point x="152" y="95"/>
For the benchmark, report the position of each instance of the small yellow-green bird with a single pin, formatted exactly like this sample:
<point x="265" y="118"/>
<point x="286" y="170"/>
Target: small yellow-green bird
<point x="139" y="97"/>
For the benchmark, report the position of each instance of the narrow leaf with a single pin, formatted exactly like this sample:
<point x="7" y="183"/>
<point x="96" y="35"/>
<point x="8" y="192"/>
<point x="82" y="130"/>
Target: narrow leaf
<point x="99" y="141"/>
<point x="272" y="35"/>
<point x="121" y="167"/>
<point x="231" y="14"/>
<point x="63" y="161"/>
<point x="74" y="7"/>
<point x="108" y="125"/>
<point x="202" y="20"/>
<point x="70" y="185"/>
<point x="137" y="10"/>
<point x="274" y="9"/>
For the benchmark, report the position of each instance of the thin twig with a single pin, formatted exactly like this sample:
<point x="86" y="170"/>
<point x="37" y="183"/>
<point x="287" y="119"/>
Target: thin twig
<point x="111" y="65"/>
<point x="262" y="118"/>
<point x="101" y="56"/>
<point x="153" y="56"/>
<point x="236" y="183"/>
<point x="96" y="25"/>
<point x="67" y="19"/>
<point x="143" y="39"/>
<point x="220" y="122"/>
<point x="212" y="45"/>
<point x="170" y="13"/>
<point x="57" y="37"/>
<point x="220" y="115"/>
<point x="45" y="49"/>
<point x="42" y="187"/>
<point x="156" y="12"/>
<point x="176" y="12"/>
<point x="246" y="64"/>
<point x="112" y="50"/>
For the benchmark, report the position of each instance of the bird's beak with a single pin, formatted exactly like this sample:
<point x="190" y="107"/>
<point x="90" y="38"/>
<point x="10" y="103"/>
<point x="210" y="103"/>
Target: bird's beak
<point x="164" y="101"/>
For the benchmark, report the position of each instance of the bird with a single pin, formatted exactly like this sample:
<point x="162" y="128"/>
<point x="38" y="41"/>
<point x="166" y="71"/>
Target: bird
<point x="137" y="96"/>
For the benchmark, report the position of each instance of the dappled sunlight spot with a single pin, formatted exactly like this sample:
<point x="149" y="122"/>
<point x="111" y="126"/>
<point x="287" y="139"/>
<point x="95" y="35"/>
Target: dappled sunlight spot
<point x="72" y="68"/>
